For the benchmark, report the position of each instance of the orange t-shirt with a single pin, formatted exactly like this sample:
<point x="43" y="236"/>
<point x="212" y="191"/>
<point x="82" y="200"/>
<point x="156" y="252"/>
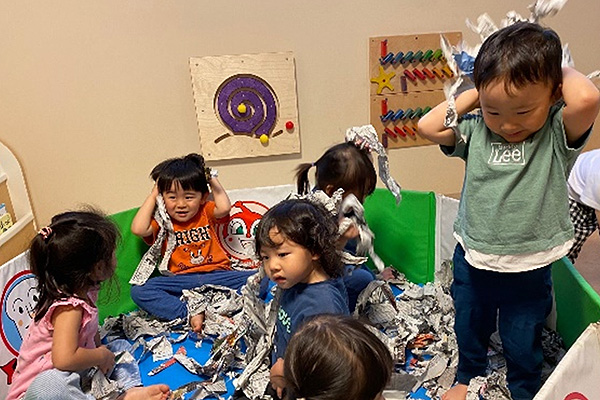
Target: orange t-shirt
<point x="198" y="248"/>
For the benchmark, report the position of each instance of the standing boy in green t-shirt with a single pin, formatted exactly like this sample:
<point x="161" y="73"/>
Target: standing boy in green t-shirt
<point x="513" y="218"/>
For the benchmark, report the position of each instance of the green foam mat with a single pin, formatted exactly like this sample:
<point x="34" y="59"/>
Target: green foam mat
<point x="114" y="297"/>
<point x="577" y="303"/>
<point x="404" y="234"/>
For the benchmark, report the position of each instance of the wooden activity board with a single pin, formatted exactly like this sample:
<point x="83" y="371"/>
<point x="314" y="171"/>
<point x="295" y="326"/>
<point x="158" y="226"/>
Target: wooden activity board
<point x="407" y="75"/>
<point x="246" y="105"/>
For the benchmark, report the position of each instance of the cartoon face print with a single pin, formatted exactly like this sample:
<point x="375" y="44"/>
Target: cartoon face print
<point x="196" y="258"/>
<point x="18" y="302"/>
<point x="237" y="235"/>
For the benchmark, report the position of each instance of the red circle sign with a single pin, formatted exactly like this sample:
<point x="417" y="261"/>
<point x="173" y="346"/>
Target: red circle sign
<point x="575" y="396"/>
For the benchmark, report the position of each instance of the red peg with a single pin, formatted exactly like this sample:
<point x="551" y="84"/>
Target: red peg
<point x="419" y="74"/>
<point x="399" y="131"/>
<point x="410" y="75"/>
<point x="384" y="48"/>
<point x="390" y="132"/>
<point x="289" y="125"/>
<point x="384" y="109"/>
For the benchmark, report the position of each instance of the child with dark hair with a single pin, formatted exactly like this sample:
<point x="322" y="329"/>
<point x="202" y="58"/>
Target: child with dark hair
<point x="185" y="237"/>
<point x="513" y="219"/>
<point x="332" y="357"/>
<point x="345" y="166"/>
<point x="296" y="242"/>
<point x="70" y="258"/>
<point x="349" y="167"/>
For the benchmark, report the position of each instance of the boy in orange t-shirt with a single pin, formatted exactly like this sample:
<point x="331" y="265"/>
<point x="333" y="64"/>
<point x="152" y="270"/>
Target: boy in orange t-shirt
<point x="196" y="258"/>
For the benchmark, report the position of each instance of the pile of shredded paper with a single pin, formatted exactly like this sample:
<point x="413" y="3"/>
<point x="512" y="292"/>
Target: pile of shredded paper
<point x="416" y="325"/>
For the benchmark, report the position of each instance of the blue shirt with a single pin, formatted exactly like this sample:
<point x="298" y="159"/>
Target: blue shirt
<point x="303" y="301"/>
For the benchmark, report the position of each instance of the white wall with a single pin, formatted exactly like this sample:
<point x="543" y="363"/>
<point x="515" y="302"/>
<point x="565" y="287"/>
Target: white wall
<point x="93" y="94"/>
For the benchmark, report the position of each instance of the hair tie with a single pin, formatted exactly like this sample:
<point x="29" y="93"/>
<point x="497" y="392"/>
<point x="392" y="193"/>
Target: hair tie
<point x="45" y="232"/>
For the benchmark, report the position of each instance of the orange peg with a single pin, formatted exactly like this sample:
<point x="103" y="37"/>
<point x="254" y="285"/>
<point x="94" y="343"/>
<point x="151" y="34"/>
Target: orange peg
<point x="429" y="74"/>
<point x="408" y="130"/>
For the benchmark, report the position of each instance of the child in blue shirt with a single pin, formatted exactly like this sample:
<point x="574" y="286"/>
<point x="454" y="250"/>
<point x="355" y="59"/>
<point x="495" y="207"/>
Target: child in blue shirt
<point x="349" y="167"/>
<point x="296" y="242"/>
<point x="513" y="218"/>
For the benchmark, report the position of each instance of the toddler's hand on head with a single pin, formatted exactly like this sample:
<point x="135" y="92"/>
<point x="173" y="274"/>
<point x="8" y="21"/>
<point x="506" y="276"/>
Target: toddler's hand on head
<point x="362" y="144"/>
<point x="107" y="359"/>
<point x="154" y="190"/>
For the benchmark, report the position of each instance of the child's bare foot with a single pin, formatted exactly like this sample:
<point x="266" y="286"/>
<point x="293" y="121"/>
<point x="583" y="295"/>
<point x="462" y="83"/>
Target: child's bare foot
<point x="196" y="322"/>
<point x="154" y="392"/>
<point x="458" y="392"/>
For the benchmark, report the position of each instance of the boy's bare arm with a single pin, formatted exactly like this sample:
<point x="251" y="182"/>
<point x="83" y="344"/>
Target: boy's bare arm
<point x="582" y="102"/>
<point x="141" y="224"/>
<point x="431" y="126"/>
<point x="222" y="202"/>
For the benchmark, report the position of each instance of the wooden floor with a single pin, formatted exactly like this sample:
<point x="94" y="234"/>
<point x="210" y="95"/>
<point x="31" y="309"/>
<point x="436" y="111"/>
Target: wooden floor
<point x="588" y="262"/>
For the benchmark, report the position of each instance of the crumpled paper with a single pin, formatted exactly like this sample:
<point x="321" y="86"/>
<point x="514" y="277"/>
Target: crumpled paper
<point x="416" y="326"/>
<point x="350" y="212"/>
<point x="153" y="255"/>
<point x="367" y="135"/>
<point x="492" y="387"/>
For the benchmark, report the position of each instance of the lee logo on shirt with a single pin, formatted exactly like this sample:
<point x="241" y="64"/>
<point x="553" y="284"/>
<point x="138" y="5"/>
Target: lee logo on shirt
<point x="507" y="154"/>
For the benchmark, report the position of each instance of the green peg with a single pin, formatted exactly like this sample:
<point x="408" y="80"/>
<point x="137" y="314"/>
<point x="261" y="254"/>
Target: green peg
<point x="437" y="55"/>
<point x="427" y="55"/>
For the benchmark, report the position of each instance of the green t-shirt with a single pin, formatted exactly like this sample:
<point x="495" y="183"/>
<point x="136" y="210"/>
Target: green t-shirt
<point x="514" y="196"/>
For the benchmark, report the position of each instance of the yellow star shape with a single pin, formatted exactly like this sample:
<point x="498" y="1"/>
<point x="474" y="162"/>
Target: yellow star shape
<point x="383" y="80"/>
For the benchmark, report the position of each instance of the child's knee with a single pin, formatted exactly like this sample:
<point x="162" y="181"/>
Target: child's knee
<point x="53" y="385"/>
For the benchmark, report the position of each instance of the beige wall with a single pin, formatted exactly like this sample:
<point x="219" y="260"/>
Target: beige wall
<point x="94" y="93"/>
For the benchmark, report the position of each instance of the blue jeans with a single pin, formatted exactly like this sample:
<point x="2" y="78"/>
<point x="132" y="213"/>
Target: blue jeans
<point x="516" y="303"/>
<point x="160" y="296"/>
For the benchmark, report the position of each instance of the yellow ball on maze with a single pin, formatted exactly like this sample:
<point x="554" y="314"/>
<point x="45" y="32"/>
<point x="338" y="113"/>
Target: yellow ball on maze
<point x="264" y="139"/>
<point x="241" y="108"/>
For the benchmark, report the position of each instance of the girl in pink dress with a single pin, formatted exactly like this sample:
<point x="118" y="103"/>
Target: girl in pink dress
<point x="70" y="258"/>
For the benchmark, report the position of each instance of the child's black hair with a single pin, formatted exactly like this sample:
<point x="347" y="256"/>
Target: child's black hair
<point x="188" y="172"/>
<point x="334" y="357"/>
<point x="307" y="224"/>
<point x="341" y="166"/>
<point x="67" y="254"/>
<point x="520" y="54"/>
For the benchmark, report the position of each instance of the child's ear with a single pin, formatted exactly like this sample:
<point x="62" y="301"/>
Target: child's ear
<point x="557" y="95"/>
<point x="316" y="257"/>
<point x="205" y="197"/>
